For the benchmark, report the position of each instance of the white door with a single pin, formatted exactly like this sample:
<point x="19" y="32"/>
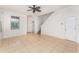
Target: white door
<point x="70" y="28"/>
<point x="30" y="24"/>
<point x="61" y="28"/>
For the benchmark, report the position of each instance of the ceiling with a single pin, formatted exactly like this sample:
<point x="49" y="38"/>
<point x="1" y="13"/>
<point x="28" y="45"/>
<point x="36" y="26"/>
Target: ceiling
<point x="23" y="8"/>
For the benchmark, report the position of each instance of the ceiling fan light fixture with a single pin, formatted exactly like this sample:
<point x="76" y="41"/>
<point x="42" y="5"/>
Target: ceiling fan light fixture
<point x="34" y="8"/>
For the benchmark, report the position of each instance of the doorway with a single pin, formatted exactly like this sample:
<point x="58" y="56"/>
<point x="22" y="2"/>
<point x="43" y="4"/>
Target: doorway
<point x="30" y="24"/>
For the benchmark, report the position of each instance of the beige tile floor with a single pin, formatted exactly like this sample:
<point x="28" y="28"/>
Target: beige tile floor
<point x="34" y="43"/>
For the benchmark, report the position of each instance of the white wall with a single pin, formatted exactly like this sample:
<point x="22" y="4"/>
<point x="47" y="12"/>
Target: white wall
<point x="57" y="26"/>
<point x="6" y="17"/>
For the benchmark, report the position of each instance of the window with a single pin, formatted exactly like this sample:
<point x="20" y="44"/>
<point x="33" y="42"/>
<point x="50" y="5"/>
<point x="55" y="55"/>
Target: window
<point x="15" y="23"/>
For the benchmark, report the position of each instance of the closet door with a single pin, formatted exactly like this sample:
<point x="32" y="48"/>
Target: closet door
<point x="70" y="28"/>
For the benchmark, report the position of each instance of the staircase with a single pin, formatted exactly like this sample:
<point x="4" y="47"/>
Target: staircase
<point x="43" y="19"/>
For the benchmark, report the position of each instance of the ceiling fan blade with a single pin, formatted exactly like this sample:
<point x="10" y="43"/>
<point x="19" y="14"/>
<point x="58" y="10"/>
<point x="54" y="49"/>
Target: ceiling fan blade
<point x="38" y="10"/>
<point x="37" y="7"/>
